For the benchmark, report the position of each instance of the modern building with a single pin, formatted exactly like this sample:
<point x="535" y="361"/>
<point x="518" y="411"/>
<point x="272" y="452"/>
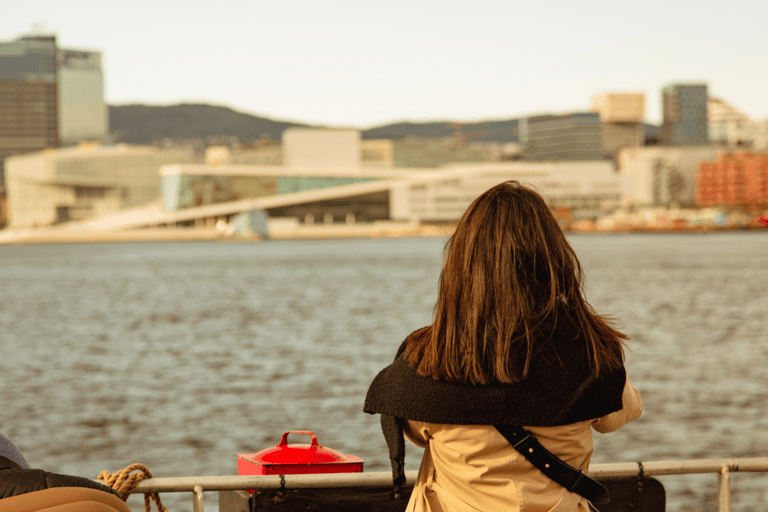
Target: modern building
<point x="444" y="194"/>
<point x="662" y="175"/>
<point x="342" y="186"/>
<point x="576" y="136"/>
<point x="621" y="116"/>
<point x="49" y="96"/>
<point x="684" y="115"/>
<point x="76" y="183"/>
<point x="431" y="152"/>
<point x="83" y="115"/>
<point x="310" y="159"/>
<point x="29" y="114"/>
<point x="734" y="179"/>
<point x="730" y="126"/>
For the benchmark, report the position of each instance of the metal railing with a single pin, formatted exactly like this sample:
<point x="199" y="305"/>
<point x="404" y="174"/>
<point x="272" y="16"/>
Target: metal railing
<point x="198" y="485"/>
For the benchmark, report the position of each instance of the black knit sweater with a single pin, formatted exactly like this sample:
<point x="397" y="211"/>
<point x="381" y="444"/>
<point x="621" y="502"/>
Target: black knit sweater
<point x="560" y="389"/>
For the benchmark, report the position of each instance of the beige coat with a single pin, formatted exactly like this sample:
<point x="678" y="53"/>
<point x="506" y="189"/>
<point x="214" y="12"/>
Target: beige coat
<point x="471" y="468"/>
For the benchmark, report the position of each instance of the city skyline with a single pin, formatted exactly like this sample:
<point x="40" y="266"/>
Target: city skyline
<point x="345" y="63"/>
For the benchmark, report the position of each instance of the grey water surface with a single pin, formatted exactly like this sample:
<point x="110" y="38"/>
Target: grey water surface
<point x="181" y="355"/>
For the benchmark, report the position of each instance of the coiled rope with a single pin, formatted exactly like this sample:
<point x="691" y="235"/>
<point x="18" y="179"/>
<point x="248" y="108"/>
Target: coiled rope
<point x="125" y="483"/>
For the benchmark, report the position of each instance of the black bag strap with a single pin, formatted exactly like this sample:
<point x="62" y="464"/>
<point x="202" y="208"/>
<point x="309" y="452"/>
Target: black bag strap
<point x="548" y="463"/>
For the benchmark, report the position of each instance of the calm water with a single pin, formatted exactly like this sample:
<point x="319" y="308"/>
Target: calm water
<point x="181" y="355"/>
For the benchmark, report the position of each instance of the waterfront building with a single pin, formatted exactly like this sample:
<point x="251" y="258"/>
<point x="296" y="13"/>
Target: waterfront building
<point x="49" y="96"/>
<point x="29" y="114"/>
<point x="342" y="185"/>
<point x="586" y="187"/>
<point x="261" y="155"/>
<point x="684" y="115"/>
<point x="734" y="179"/>
<point x="662" y="175"/>
<point x="309" y="159"/>
<point x="730" y="126"/>
<point x="83" y="115"/>
<point x="377" y="152"/>
<point x="76" y="183"/>
<point x="576" y="136"/>
<point x="431" y="152"/>
<point x="621" y="116"/>
<point x="417" y="195"/>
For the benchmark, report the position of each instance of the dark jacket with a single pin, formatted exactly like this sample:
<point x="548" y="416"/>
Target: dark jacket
<point x="561" y="389"/>
<point x="15" y="480"/>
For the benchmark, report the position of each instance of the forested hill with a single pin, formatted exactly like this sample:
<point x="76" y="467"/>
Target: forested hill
<point x="144" y="124"/>
<point x="500" y="131"/>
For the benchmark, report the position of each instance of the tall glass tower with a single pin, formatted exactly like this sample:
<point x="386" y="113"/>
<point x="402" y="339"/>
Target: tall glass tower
<point x="685" y="115"/>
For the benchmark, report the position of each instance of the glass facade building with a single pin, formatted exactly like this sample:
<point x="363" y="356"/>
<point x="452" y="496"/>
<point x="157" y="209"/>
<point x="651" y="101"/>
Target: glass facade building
<point x="83" y="116"/>
<point x="575" y="136"/>
<point x="28" y="97"/>
<point x="685" y="115"/>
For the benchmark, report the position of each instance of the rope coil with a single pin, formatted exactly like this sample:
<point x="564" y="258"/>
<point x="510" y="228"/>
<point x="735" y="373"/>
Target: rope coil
<point x="125" y="482"/>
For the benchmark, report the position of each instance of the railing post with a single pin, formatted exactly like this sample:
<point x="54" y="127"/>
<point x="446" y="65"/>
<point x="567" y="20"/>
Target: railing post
<point x="724" y="489"/>
<point x="197" y="499"/>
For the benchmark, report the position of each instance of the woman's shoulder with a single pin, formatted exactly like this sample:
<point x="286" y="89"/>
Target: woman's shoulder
<point x="414" y="339"/>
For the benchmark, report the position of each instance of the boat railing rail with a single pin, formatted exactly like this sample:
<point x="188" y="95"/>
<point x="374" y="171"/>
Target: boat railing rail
<point x="197" y="485"/>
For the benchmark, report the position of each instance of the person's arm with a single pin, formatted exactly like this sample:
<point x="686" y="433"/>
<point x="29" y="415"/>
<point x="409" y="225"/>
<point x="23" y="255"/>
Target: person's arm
<point x="416" y="432"/>
<point x="632" y="407"/>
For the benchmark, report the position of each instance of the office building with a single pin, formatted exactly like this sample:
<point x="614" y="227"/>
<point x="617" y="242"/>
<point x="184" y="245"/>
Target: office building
<point x="576" y="136"/>
<point x="621" y="117"/>
<point x="49" y="96"/>
<point x="28" y="97"/>
<point x="83" y="116"/>
<point x="684" y="115"/>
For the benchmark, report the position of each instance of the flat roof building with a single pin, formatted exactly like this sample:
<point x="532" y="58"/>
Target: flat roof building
<point x="28" y="97"/>
<point x="621" y="116"/>
<point x="662" y="175"/>
<point x="576" y="136"/>
<point x="684" y="115"/>
<point x="77" y="183"/>
<point x="83" y="115"/>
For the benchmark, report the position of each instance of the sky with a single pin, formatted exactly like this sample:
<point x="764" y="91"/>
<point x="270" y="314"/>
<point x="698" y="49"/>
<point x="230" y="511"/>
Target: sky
<point x="367" y="63"/>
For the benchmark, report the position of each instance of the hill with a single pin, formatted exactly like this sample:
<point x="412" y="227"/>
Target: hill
<point x="144" y="124"/>
<point x="500" y="131"/>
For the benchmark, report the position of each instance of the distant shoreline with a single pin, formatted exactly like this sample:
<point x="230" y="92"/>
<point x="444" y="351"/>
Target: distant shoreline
<point x="373" y="230"/>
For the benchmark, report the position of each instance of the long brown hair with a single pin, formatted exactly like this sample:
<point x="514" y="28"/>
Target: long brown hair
<point x="508" y="272"/>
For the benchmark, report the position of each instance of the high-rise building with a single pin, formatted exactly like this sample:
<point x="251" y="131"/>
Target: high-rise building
<point x="28" y="97"/>
<point x="83" y="116"/>
<point x="576" y="136"/>
<point x="685" y="115"/>
<point x="49" y="96"/>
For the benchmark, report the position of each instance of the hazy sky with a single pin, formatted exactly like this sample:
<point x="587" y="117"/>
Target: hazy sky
<point x="365" y="62"/>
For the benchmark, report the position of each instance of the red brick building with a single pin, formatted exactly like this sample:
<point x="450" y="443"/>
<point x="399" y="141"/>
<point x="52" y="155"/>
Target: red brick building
<point x="734" y="179"/>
